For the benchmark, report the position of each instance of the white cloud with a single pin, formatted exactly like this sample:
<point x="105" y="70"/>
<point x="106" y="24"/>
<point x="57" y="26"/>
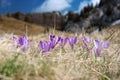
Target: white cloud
<point x="85" y="3"/>
<point x="53" y="5"/>
<point x="5" y="3"/>
<point x="82" y="5"/>
<point x="94" y="2"/>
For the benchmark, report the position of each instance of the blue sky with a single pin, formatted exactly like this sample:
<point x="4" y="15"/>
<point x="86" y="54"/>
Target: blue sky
<point x="33" y="6"/>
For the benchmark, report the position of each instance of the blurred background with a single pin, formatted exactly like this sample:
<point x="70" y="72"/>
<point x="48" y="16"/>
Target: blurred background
<point x="74" y="16"/>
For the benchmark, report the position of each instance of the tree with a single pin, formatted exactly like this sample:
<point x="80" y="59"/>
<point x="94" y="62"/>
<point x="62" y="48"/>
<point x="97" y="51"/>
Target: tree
<point x="28" y="18"/>
<point x="86" y="11"/>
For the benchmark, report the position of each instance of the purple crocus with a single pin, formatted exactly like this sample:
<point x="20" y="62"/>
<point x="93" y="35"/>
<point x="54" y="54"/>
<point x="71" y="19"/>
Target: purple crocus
<point x="72" y="41"/>
<point x="22" y="42"/>
<point x="86" y="42"/>
<point x="45" y="46"/>
<point x="99" y="46"/>
<point x="54" y="40"/>
<point x="63" y="41"/>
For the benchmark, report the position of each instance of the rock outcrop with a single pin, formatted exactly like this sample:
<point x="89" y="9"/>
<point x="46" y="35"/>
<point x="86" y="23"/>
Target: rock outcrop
<point x="91" y="18"/>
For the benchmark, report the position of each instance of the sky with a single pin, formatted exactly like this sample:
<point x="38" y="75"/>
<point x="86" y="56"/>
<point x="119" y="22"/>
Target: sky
<point x="36" y="6"/>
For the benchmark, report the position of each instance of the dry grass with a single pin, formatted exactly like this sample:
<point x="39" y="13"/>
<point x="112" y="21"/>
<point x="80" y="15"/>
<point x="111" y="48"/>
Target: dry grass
<point x="9" y="25"/>
<point x="60" y="64"/>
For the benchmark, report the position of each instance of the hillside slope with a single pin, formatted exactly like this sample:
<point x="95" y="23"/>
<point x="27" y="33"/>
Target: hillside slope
<point x="10" y="25"/>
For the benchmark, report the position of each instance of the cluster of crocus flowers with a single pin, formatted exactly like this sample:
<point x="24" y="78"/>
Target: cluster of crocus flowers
<point x="98" y="45"/>
<point x="45" y="46"/>
<point x="22" y="42"/>
<point x="48" y="45"/>
<point x="54" y="40"/>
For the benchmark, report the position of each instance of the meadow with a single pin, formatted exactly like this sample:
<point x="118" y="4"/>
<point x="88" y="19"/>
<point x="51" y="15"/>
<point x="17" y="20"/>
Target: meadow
<point x="60" y="62"/>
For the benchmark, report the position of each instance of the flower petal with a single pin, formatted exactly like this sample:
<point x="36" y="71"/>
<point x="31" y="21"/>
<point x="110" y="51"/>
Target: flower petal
<point x="75" y="40"/>
<point x="105" y="44"/>
<point x="96" y="43"/>
<point x="16" y="40"/>
<point x="97" y="52"/>
<point x="86" y="40"/>
<point x="45" y="46"/>
<point x="41" y="44"/>
<point x="72" y="41"/>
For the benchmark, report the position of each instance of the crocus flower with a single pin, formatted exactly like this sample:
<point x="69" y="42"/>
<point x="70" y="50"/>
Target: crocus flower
<point x="86" y="42"/>
<point x="72" y="41"/>
<point x="54" y="40"/>
<point x="99" y="46"/>
<point x="45" y="46"/>
<point x="63" y="41"/>
<point x="22" y="42"/>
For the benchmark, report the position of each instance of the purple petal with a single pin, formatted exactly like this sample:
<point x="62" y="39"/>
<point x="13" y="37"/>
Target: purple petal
<point x="96" y="43"/>
<point x="16" y="40"/>
<point x="105" y="44"/>
<point x="67" y="39"/>
<point x="50" y="46"/>
<point x="45" y="46"/>
<point x="57" y="40"/>
<point x="99" y="46"/>
<point x="97" y="52"/>
<point x="63" y="41"/>
<point x="22" y="40"/>
<point x="54" y="40"/>
<point x="75" y="40"/>
<point x="51" y="37"/>
<point x="86" y="40"/>
<point x="41" y="44"/>
<point x="26" y="45"/>
<point x="72" y="41"/>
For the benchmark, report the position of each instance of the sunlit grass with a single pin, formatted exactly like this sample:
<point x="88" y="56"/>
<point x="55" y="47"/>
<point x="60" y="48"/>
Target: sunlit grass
<point x="59" y="63"/>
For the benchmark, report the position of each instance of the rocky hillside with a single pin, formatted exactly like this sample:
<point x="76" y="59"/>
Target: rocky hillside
<point x="106" y="13"/>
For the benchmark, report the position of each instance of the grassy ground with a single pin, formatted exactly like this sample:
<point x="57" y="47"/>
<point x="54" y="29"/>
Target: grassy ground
<point x="19" y="27"/>
<point x="60" y="64"/>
